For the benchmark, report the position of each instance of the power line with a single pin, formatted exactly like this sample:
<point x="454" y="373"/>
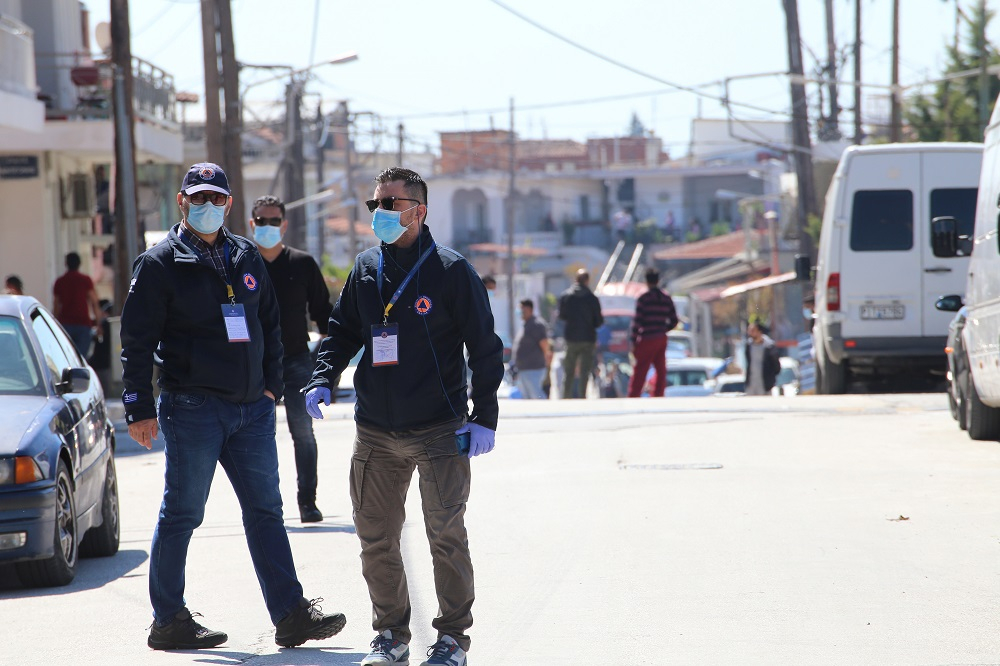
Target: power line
<point x="689" y="89"/>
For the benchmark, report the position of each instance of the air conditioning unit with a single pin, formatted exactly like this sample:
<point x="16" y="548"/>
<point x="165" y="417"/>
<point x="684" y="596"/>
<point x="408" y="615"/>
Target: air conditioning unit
<point x="78" y="196"/>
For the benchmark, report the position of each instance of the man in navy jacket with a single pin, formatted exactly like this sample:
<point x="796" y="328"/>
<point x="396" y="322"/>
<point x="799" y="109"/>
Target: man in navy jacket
<point x="201" y="307"/>
<point x="412" y="305"/>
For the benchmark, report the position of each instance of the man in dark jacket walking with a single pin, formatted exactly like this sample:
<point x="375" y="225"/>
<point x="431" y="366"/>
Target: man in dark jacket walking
<point x="581" y="311"/>
<point x="412" y="305"/>
<point x="302" y="296"/>
<point x="655" y="315"/>
<point x="201" y="307"/>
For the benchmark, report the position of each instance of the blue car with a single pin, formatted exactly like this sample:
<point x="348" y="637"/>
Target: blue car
<point x="58" y="488"/>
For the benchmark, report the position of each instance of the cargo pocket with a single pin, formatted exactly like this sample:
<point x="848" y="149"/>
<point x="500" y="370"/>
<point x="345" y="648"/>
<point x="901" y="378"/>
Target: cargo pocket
<point x="452" y="471"/>
<point x="358" y="462"/>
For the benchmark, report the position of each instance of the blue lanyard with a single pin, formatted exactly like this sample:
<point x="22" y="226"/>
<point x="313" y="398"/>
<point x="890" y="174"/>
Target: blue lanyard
<point x="229" y="280"/>
<point x="406" y="281"/>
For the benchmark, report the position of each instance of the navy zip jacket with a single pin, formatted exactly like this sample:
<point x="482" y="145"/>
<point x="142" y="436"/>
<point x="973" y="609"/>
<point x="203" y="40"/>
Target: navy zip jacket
<point x="174" y="308"/>
<point x="443" y="307"/>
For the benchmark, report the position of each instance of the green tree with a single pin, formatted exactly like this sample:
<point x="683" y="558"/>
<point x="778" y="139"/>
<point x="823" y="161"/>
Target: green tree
<point x="951" y="111"/>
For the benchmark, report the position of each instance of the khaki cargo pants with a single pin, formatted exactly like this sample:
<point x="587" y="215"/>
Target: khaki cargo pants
<point x="381" y="469"/>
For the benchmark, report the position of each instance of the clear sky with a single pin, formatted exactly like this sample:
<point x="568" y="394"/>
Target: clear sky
<point x="447" y="65"/>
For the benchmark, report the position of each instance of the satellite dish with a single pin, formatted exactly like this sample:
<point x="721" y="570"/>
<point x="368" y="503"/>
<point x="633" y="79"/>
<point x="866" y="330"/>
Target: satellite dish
<point x="102" y="34"/>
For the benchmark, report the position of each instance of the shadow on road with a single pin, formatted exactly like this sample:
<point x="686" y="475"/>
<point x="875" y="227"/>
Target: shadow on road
<point x="91" y="573"/>
<point x="300" y="656"/>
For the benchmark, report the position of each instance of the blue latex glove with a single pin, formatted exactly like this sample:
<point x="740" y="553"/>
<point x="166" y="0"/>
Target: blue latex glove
<point x="482" y="440"/>
<point x="313" y="398"/>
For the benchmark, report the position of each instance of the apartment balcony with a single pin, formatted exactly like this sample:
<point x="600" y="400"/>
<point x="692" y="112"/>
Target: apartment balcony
<point x="18" y="107"/>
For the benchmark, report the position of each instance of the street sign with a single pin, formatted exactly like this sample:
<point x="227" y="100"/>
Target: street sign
<point x="18" y="166"/>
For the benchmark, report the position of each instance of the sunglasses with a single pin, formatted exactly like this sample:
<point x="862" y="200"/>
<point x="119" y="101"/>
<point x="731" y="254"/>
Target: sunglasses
<point x="385" y="202"/>
<point x="200" y="198"/>
<point x="267" y="221"/>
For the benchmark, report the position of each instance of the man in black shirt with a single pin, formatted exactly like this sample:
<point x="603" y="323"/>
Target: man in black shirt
<point x="302" y="295"/>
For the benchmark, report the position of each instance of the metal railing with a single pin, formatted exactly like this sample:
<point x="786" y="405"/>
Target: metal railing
<point x="17" y="58"/>
<point x="74" y="85"/>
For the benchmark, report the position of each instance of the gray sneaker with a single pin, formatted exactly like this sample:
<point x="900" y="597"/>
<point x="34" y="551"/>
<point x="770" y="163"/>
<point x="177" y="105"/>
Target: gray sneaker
<point x="387" y="650"/>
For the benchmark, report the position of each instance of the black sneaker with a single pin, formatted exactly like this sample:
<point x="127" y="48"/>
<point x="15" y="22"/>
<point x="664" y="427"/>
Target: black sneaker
<point x="308" y="513"/>
<point x="183" y="633"/>
<point x="307" y="623"/>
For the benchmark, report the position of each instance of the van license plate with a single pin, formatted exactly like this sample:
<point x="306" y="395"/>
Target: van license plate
<point x="883" y="311"/>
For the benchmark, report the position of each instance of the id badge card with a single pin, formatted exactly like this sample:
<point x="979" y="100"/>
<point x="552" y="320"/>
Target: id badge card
<point x="236" y="322"/>
<point x="385" y="345"/>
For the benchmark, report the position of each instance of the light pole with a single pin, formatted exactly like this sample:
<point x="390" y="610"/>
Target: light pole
<point x="293" y="161"/>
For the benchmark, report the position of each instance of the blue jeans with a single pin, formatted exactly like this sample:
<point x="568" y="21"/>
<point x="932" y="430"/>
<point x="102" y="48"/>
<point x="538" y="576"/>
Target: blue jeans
<point x="81" y="336"/>
<point x="298" y="371"/>
<point x="199" y="431"/>
<point x="530" y="383"/>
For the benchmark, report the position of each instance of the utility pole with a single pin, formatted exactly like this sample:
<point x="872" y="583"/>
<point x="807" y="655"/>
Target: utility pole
<point x="320" y="178"/>
<point x="399" y="153"/>
<point x="352" y="213"/>
<point x="857" y="73"/>
<point x="832" y="125"/>
<point x="223" y="124"/>
<point x="896" y="114"/>
<point x="984" y="80"/>
<point x="800" y="128"/>
<point x="295" y="188"/>
<point x="510" y="224"/>
<point x="126" y="197"/>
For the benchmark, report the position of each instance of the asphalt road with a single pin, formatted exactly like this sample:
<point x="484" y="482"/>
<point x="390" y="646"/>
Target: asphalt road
<point x="805" y="530"/>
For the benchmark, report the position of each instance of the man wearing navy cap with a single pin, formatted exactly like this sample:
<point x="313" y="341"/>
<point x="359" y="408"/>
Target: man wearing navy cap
<point x="201" y="307"/>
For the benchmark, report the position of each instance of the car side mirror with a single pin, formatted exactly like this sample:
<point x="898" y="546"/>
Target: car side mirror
<point x="74" y="380"/>
<point x="950" y="303"/>
<point x="944" y="236"/>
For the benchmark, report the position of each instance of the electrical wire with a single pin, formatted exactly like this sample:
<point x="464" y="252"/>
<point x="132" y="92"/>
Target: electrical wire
<point x="689" y="89"/>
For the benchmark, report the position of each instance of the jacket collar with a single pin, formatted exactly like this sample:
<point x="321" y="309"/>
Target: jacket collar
<point x="186" y="254"/>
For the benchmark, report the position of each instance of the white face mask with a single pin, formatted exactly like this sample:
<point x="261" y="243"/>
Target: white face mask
<point x="267" y="236"/>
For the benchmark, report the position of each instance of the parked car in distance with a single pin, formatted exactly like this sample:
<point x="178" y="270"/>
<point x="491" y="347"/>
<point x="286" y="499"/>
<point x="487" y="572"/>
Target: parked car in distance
<point x="787" y="381"/>
<point x="730" y="385"/>
<point x="691" y="376"/>
<point x="680" y="344"/>
<point x="957" y="374"/>
<point x="613" y="334"/>
<point x="58" y="487"/>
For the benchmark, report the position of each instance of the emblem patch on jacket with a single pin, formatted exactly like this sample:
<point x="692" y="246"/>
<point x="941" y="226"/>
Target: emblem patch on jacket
<point x="250" y="282"/>
<point x="423" y="305"/>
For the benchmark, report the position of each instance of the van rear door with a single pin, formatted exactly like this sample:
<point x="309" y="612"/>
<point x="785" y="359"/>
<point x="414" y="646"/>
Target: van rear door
<point x="950" y="189"/>
<point x="879" y="288"/>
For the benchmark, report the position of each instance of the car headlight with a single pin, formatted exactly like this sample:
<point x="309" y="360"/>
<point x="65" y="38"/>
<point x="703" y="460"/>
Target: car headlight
<point x="22" y="469"/>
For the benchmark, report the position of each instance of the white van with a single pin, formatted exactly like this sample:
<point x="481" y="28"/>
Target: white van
<point x="978" y="390"/>
<point x="877" y="277"/>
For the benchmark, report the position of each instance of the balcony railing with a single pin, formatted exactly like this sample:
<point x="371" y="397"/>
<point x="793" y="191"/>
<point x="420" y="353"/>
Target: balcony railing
<point x="17" y="58"/>
<point x="74" y="85"/>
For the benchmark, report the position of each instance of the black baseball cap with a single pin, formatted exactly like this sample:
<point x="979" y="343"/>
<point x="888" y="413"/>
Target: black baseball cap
<point x="205" y="176"/>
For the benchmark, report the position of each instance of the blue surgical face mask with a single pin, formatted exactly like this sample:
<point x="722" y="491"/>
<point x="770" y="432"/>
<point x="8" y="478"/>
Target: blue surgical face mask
<point x="385" y="224"/>
<point x="267" y="236"/>
<point x="206" y="218"/>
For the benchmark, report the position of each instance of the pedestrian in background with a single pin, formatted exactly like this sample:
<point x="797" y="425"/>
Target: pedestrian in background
<point x="202" y="301"/>
<point x="581" y="311"/>
<point x="532" y="353"/>
<point x="763" y="364"/>
<point x="302" y="296"/>
<point x="655" y="315"/>
<point x="12" y="285"/>
<point x="74" y="300"/>
<point x="412" y="305"/>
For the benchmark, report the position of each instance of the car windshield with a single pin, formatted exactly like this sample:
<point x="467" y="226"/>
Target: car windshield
<point x="686" y="377"/>
<point x="19" y="374"/>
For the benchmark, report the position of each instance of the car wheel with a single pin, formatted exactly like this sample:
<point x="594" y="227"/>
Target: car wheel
<point x="983" y="421"/>
<point x="960" y="394"/>
<point x="832" y="376"/>
<point x="103" y="540"/>
<point x="952" y="403"/>
<point x="61" y="567"/>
